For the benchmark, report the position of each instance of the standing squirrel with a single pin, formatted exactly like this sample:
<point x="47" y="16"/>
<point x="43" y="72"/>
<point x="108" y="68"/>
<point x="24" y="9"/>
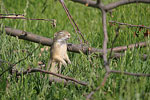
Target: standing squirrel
<point x="58" y="51"/>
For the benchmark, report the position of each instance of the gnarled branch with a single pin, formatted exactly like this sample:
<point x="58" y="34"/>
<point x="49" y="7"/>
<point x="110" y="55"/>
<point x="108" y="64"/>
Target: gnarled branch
<point x="47" y="41"/>
<point x="77" y="48"/>
<point x="123" y="2"/>
<point x="110" y="6"/>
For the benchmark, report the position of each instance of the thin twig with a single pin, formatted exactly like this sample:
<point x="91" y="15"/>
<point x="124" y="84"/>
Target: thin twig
<point x="17" y="17"/>
<point x="123" y="48"/>
<point x="44" y="6"/>
<point x="117" y="33"/>
<point x="130" y="25"/>
<point x="48" y="72"/>
<point x="75" y="24"/>
<point x="12" y="65"/>
<point x="101" y="85"/>
<point x="59" y="80"/>
<point x="131" y="74"/>
<point x="72" y="20"/>
<point x="11" y="14"/>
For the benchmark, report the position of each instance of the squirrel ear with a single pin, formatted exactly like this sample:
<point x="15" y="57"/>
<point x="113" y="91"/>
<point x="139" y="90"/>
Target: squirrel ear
<point x="60" y="32"/>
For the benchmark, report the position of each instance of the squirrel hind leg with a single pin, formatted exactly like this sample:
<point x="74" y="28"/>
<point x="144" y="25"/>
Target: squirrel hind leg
<point x="53" y="67"/>
<point x="59" y="67"/>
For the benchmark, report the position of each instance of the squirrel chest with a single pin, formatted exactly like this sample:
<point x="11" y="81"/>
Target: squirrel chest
<point x="58" y="49"/>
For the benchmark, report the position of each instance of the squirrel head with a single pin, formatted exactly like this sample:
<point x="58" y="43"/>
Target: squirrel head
<point x="61" y="36"/>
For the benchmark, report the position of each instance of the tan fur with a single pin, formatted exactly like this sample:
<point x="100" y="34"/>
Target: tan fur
<point x="58" y="52"/>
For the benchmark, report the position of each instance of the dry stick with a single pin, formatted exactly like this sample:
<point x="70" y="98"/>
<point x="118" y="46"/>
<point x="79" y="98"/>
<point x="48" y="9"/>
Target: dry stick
<point x="59" y="80"/>
<point x="106" y="63"/>
<point x="131" y="74"/>
<point x="6" y="62"/>
<point x="9" y="68"/>
<point x="11" y="14"/>
<point x="130" y="25"/>
<point x="44" y="6"/>
<point x="102" y="84"/>
<point x="75" y="23"/>
<point x="77" y="48"/>
<point x="62" y="3"/>
<point x="123" y="48"/>
<point x="123" y="2"/>
<point x="117" y="33"/>
<point x="110" y="6"/>
<point x="118" y="55"/>
<point x="47" y="72"/>
<point x="12" y="65"/>
<point x="15" y="17"/>
<point x="22" y="17"/>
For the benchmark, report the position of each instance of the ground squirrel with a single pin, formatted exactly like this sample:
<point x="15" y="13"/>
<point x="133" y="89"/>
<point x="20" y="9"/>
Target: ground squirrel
<point x="58" y="52"/>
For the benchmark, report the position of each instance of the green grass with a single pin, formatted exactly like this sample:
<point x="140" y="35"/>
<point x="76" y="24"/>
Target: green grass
<point x="35" y="87"/>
